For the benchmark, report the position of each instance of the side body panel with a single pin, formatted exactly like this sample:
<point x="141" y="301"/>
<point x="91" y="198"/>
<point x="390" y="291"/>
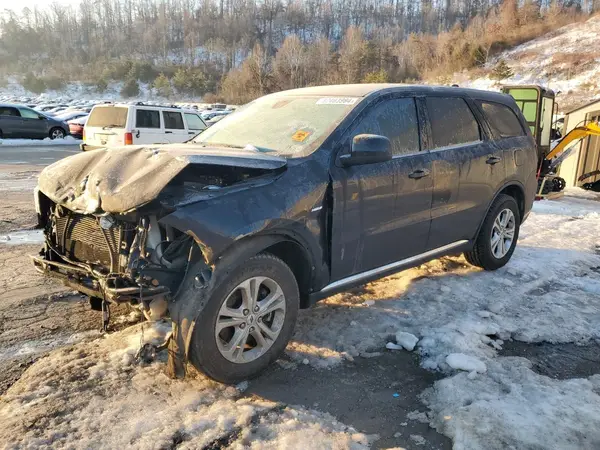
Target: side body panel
<point x="292" y="205"/>
<point x="465" y="181"/>
<point x="380" y="214"/>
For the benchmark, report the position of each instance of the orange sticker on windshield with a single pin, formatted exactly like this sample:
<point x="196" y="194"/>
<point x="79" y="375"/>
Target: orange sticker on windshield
<point x="300" y="135"/>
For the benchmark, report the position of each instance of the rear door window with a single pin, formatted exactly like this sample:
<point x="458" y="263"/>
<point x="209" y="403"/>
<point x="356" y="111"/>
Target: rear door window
<point x="9" y="111"/>
<point x="452" y="122"/>
<point x="395" y="119"/>
<point x="108" y="117"/>
<point x="503" y="120"/>
<point x="147" y="118"/>
<point x="173" y="120"/>
<point x="194" y="122"/>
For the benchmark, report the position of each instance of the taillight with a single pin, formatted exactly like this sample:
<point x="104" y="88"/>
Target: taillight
<point x="128" y="139"/>
<point x="83" y="135"/>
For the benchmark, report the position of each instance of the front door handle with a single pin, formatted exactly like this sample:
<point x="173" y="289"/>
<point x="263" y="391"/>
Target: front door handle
<point x="419" y="173"/>
<point x="493" y="160"/>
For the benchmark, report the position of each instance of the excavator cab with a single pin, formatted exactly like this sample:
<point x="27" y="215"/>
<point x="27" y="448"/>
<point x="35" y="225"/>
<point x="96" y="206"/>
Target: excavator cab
<point x="538" y="105"/>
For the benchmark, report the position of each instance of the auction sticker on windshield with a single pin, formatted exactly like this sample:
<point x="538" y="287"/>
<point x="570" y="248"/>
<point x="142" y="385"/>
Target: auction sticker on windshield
<point x="300" y="135"/>
<point x="337" y="101"/>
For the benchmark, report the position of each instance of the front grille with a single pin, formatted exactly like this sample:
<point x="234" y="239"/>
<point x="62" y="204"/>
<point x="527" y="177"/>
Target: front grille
<point x="82" y="239"/>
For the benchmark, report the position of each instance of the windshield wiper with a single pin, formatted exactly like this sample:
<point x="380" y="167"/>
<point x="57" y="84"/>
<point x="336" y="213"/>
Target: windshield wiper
<point x="108" y="127"/>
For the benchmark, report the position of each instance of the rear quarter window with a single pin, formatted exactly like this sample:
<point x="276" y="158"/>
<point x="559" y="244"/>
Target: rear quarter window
<point x="452" y="122"/>
<point x="108" y="116"/>
<point x="503" y="120"/>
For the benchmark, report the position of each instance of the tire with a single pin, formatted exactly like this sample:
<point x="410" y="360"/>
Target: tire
<point x="208" y="348"/>
<point x="57" y="133"/>
<point x="484" y="253"/>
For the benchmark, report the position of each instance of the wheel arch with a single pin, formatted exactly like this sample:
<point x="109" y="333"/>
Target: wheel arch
<point x="289" y="249"/>
<point x="515" y="190"/>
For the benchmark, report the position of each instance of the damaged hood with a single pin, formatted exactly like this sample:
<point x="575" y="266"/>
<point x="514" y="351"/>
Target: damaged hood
<point x="120" y="179"/>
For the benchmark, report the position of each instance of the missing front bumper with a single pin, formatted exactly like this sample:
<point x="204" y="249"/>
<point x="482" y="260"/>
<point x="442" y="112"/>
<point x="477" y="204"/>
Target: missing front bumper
<point x="89" y="284"/>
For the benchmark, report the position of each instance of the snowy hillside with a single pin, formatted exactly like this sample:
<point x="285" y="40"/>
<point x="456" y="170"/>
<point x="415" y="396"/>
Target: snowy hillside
<point x="75" y="90"/>
<point x="566" y="60"/>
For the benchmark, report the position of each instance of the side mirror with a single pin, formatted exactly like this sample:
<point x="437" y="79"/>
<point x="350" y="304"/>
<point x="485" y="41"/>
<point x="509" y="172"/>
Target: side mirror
<point x="368" y="149"/>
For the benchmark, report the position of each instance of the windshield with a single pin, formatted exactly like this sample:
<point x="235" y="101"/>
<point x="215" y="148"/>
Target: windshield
<point x="108" y="116"/>
<point x="290" y="126"/>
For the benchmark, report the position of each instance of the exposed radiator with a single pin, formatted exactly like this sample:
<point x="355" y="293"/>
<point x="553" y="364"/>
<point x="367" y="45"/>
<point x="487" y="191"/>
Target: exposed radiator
<point x="81" y="238"/>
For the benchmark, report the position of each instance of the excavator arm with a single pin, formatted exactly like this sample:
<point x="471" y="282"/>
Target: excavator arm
<point x="548" y="181"/>
<point x="591" y="129"/>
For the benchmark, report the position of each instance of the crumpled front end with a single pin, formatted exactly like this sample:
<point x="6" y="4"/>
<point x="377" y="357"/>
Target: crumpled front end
<point x="113" y="258"/>
<point x="101" y="213"/>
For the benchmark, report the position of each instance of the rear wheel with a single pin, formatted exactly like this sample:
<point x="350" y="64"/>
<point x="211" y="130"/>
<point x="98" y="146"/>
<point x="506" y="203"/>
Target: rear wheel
<point x="57" y="133"/>
<point x="498" y="236"/>
<point x="248" y="321"/>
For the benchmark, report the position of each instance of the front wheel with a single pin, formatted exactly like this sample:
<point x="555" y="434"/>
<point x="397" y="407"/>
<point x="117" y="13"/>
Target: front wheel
<point x="247" y="322"/>
<point x="57" y="133"/>
<point x="498" y="236"/>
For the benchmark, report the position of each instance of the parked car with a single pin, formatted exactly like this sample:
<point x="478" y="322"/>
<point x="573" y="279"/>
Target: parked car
<point x="210" y="122"/>
<point x="121" y="124"/>
<point x="208" y="115"/>
<point x="297" y="196"/>
<point x="18" y="121"/>
<point x="76" y="127"/>
<point x="70" y="115"/>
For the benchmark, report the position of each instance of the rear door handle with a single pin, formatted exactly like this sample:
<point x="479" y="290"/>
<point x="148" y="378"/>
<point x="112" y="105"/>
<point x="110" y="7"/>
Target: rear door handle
<point x="493" y="160"/>
<point x="419" y="173"/>
<point x="191" y="132"/>
<point x="168" y="132"/>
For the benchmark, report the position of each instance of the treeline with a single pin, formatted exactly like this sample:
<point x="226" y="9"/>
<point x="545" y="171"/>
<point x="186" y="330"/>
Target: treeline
<point x="237" y="50"/>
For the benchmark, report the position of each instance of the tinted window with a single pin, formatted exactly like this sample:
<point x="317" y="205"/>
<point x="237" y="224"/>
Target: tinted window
<point x="8" y="111"/>
<point x="108" y="116"/>
<point x="145" y="118"/>
<point x="173" y="120"/>
<point x="395" y="119"/>
<point x="194" y="122"/>
<point x="452" y="122"/>
<point x="502" y="119"/>
<point x="29" y="113"/>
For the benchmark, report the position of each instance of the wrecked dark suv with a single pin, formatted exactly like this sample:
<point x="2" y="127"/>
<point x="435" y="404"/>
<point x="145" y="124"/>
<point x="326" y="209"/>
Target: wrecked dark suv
<point x="295" y="197"/>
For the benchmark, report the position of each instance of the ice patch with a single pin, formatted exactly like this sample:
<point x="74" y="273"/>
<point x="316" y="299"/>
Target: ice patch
<point x="23" y="237"/>
<point x="406" y="340"/>
<point x="68" y="140"/>
<point x="460" y="361"/>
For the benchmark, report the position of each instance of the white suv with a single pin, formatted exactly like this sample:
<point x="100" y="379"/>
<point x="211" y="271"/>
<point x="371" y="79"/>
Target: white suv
<point x="113" y="125"/>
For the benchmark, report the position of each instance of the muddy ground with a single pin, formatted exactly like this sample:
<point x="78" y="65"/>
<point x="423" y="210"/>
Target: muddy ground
<point x="38" y="315"/>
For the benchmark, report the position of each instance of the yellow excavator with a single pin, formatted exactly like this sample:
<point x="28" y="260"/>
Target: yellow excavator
<point x="538" y="105"/>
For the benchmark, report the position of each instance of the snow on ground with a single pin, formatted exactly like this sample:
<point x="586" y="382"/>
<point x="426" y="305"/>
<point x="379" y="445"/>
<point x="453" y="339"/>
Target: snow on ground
<point x="23" y="237"/>
<point x="68" y="140"/>
<point x="548" y="292"/>
<point x="565" y="60"/>
<point x="93" y="395"/>
<point x="461" y="317"/>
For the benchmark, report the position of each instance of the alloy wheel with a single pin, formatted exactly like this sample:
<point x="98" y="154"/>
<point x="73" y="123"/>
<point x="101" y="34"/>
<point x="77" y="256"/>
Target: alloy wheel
<point x="503" y="233"/>
<point x="250" y="320"/>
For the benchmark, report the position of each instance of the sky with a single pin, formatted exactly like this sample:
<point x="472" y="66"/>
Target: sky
<point x="18" y="5"/>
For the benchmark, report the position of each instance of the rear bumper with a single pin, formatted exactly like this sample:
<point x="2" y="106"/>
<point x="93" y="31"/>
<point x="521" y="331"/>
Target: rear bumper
<point x="86" y="147"/>
<point x="88" y="283"/>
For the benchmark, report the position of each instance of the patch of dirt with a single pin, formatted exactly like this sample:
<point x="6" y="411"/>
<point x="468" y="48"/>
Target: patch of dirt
<point x="559" y="361"/>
